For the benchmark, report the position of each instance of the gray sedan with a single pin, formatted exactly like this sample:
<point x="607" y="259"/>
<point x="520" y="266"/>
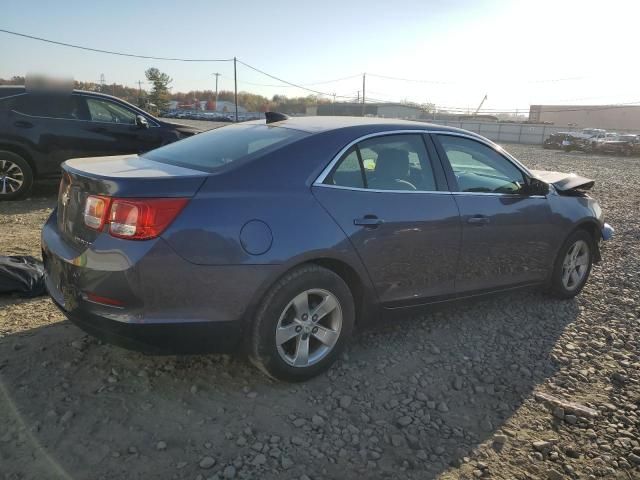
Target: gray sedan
<point x="279" y="238"/>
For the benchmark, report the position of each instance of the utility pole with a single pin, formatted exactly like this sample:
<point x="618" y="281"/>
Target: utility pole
<point x="358" y="101"/>
<point x="216" y="104"/>
<point x="363" y="83"/>
<point x="139" y="93"/>
<point x="235" y="85"/>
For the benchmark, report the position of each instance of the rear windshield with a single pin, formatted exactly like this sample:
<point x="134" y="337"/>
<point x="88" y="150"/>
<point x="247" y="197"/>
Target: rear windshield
<point x="214" y="149"/>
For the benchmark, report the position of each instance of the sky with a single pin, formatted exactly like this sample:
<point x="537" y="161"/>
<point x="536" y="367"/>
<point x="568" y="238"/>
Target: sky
<point x="516" y="52"/>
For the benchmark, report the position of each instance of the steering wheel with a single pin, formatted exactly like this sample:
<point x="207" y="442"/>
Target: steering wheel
<point x="408" y="184"/>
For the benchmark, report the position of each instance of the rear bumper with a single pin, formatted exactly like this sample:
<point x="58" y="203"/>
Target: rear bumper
<point x="172" y="338"/>
<point x="161" y="302"/>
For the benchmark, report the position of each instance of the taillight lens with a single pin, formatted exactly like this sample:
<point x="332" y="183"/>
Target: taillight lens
<point x="132" y="218"/>
<point x="141" y="219"/>
<point x="95" y="211"/>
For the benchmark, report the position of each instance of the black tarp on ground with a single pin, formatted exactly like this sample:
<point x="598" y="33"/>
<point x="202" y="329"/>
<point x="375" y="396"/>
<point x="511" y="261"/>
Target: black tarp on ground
<point x="22" y="275"/>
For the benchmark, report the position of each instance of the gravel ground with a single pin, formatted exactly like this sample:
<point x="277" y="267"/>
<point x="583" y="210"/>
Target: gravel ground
<point x="516" y="386"/>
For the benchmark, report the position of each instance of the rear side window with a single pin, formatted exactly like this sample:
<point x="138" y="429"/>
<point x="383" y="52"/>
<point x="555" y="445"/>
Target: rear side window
<point x="216" y="148"/>
<point x="390" y="163"/>
<point x="66" y="107"/>
<point x="348" y="173"/>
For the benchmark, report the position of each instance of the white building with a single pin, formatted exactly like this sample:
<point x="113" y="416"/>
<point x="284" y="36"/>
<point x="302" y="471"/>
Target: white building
<point x="228" y="107"/>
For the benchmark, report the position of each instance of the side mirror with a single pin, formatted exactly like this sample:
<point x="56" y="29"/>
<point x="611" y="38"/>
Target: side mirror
<point x="537" y="187"/>
<point x="141" y="121"/>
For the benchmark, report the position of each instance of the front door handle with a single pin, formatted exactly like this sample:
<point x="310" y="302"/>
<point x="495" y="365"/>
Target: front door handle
<point x="370" y="221"/>
<point x="478" y="220"/>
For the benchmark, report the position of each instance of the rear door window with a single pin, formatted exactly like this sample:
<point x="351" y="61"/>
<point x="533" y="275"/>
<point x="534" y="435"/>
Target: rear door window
<point x="60" y="106"/>
<point x="214" y="149"/>
<point x="389" y="162"/>
<point x="349" y="172"/>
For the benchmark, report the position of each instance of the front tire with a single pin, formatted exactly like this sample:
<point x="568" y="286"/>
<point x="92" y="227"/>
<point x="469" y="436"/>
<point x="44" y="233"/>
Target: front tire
<point x="16" y="176"/>
<point x="302" y="325"/>
<point x="573" y="265"/>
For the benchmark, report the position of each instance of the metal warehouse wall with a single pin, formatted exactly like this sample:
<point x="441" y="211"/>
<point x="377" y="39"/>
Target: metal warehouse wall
<point x="509" y="132"/>
<point x="609" y="117"/>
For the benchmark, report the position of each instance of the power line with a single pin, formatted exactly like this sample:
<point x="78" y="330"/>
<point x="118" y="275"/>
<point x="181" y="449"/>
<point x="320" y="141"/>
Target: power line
<point x="302" y="84"/>
<point x="317" y="92"/>
<point x="451" y="82"/>
<point x="334" y="80"/>
<point x="388" y="77"/>
<point x="110" y="52"/>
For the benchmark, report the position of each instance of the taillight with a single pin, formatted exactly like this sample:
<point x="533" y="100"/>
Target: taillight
<point x="132" y="218"/>
<point x="95" y="211"/>
<point x="142" y="219"/>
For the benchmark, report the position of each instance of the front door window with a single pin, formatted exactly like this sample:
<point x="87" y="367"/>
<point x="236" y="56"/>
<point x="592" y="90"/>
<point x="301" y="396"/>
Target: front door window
<point x="111" y="112"/>
<point x="479" y="168"/>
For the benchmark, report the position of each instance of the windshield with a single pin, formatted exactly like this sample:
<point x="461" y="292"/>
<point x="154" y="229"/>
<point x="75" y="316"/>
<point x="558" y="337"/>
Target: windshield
<point x="216" y="148"/>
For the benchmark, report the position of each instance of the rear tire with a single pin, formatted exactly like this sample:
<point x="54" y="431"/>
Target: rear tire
<point x="286" y="340"/>
<point x="16" y="176"/>
<point x="573" y="265"/>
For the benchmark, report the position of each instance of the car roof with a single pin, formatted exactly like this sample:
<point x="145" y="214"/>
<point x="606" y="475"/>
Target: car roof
<point x="9" y="90"/>
<point x="320" y="124"/>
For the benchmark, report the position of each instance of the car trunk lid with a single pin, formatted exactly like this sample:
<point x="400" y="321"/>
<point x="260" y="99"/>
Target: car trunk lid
<point x="122" y="176"/>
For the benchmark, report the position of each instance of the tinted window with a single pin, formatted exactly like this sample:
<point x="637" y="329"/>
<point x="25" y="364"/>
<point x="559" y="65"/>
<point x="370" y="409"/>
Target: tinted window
<point x="348" y="173"/>
<point x="216" y="148"/>
<point x="397" y="162"/>
<point x="389" y="162"/>
<point x="479" y="168"/>
<point x="70" y="107"/>
<point x="106" y="111"/>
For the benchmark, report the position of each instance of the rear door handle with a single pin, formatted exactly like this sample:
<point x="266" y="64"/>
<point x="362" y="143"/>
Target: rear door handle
<point x="370" y="221"/>
<point x="22" y="124"/>
<point x="478" y="220"/>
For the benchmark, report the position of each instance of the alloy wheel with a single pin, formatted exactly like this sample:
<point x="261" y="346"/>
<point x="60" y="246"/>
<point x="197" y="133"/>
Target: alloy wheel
<point x="575" y="265"/>
<point x="309" y="328"/>
<point x="11" y="177"/>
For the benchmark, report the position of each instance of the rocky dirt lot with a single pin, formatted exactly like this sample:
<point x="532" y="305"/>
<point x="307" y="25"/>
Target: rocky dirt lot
<point x="516" y="386"/>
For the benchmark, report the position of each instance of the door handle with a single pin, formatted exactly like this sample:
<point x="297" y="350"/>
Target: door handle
<point x="98" y="129"/>
<point x="478" y="220"/>
<point x="370" y="221"/>
<point x="22" y="124"/>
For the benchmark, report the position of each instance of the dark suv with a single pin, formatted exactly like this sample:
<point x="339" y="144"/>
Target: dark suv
<point x="41" y="129"/>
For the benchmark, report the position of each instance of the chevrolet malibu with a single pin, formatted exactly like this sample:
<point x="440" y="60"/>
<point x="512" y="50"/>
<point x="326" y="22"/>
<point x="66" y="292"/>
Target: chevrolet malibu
<point x="279" y="238"/>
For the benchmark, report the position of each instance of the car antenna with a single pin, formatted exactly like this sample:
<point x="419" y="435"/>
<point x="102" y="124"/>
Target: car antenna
<point x="275" y="117"/>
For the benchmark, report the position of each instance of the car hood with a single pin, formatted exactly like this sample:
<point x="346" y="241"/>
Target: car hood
<point x="186" y="130"/>
<point x="564" y="182"/>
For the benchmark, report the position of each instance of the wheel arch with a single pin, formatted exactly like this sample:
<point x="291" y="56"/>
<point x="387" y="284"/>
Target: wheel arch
<point x="363" y="297"/>
<point x="353" y="280"/>
<point x="22" y="152"/>
<point x="594" y="230"/>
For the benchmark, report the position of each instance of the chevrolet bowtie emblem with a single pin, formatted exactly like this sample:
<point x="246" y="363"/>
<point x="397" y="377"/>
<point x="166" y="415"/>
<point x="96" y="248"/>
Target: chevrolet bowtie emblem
<point x="65" y="197"/>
